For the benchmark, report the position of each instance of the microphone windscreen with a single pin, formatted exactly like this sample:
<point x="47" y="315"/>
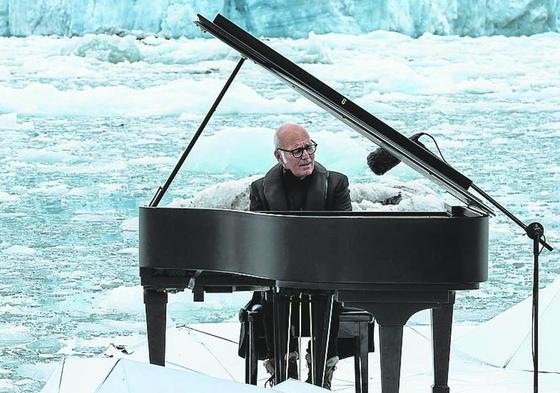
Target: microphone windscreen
<point x="380" y="161"/>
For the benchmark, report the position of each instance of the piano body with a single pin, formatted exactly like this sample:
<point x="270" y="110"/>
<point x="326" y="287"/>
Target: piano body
<point x="390" y="264"/>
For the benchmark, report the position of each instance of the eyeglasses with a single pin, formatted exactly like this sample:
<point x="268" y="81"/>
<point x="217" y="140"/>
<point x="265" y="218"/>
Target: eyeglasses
<point x="298" y="151"/>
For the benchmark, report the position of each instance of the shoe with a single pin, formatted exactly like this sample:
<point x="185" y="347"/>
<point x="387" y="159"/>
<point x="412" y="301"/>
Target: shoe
<point x="292" y="368"/>
<point x="329" y="370"/>
<point x="269" y="366"/>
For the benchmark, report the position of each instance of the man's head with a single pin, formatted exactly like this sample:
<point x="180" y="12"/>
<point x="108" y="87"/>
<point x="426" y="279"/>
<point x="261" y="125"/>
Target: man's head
<point x="295" y="150"/>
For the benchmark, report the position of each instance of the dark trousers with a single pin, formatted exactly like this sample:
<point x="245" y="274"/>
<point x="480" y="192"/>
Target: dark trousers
<point x="267" y="328"/>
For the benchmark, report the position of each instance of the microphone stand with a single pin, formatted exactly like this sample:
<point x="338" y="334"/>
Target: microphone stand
<point x="534" y="231"/>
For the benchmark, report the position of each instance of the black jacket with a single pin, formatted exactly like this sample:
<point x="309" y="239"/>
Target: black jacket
<point x="327" y="190"/>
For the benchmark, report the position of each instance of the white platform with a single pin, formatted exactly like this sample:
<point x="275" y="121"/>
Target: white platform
<point x="209" y="362"/>
<point x="492" y="357"/>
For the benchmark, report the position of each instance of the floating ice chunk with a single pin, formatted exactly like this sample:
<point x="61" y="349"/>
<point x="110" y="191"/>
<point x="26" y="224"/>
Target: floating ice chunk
<point x="338" y="151"/>
<point x="315" y="52"/>
<point x="112" y="49"/>
<point x="44" y="156"/>
<point x="7" y="309"/>
<point x="422" y="203"/>
<point x="79" y="191"/>
<point x="5" y="74"/>
<point x="179" y="96"/>
<point x="130" y="224"/>
<point x="252" y="149"/>
<point x="122" y="299"/>
<point x="389" y="196"/>
<point x="152" y="161"/>
<point x="89" y="217"/>
<point x="371" y="103"/>
<point x="45" y="345"/>
<point x="500" y="141"/>
<point x="20" y="250"/>
<point x="376" y="193"/>
<point x="190" y="117"/>
<point x="395" y="196"/>
<point x="37" y="372"/>
<point x="8" y="198"/>
<point x="554" y="126"/>
<point x="108" y="188"/>
<point x="12" y="334"/>
<point x="9" y="121"/>
<point x="232" y="194"/>
<point x="50" y="188"/>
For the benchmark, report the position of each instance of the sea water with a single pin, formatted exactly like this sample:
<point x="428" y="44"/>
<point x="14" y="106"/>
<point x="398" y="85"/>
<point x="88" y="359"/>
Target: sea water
<point x="90" y="126"/>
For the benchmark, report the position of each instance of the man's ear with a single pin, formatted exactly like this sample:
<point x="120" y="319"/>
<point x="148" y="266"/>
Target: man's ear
<point x="279" y="157"/>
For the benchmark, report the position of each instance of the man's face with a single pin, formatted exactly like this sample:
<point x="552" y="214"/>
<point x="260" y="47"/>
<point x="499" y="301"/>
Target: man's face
<point x="291" y="138"/>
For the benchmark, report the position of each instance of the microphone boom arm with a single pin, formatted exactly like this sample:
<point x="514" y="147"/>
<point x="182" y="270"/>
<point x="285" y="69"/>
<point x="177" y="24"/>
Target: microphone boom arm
<point x="531" y="230"/>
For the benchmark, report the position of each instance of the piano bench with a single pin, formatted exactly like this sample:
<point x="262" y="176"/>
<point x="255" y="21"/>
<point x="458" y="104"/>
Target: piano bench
<point x="354" y="324"/>
<point x="358" y="325"/>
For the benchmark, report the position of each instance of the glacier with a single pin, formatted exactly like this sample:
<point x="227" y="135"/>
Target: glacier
<point x="289" y="18"/>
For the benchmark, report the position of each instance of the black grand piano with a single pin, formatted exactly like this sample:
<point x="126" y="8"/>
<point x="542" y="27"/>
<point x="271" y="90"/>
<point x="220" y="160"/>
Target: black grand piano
<point x="393" y="264"/>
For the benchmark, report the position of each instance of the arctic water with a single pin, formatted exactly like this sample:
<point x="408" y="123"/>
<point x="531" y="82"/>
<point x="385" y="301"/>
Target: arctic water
<point x="90" y="126"/>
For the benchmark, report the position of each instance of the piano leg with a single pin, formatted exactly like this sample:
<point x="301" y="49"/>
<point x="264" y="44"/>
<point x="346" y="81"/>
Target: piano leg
<point x="390" y="346"/>
<point x="442" y="318"/>
<point x="362" y="350"/>
<point x="156" y="310"/>
<point x="391" y="310"/>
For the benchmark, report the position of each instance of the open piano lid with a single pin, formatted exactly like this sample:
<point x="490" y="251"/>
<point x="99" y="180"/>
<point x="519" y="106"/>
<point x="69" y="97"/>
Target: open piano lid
<point x="420" y="159"/>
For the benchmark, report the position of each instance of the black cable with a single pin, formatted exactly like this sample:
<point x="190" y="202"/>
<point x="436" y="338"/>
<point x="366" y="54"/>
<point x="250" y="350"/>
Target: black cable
<point x="542" y="248"/>
<point x="437" y="147"/>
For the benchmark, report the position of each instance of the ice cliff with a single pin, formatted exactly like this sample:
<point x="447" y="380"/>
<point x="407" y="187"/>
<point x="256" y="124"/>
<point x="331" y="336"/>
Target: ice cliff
<point x="280" y="18"/>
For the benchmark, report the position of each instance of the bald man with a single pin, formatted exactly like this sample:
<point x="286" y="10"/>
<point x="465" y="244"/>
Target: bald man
<point x="298" y="182"/>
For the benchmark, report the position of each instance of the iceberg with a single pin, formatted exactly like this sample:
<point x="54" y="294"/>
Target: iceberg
<point x="291" y="18"/>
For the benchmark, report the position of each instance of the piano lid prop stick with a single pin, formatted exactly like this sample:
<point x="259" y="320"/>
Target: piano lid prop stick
<point x="162" y="190"/>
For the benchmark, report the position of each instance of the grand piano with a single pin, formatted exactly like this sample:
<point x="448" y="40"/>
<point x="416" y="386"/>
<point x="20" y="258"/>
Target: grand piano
<point x="390" y="264"/>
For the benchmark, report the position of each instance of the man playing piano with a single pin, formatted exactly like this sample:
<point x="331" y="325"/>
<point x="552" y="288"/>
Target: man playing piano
<point x="298" y="182"/>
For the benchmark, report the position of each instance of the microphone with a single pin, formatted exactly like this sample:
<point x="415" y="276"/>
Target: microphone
<point x="381" y="161"/>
